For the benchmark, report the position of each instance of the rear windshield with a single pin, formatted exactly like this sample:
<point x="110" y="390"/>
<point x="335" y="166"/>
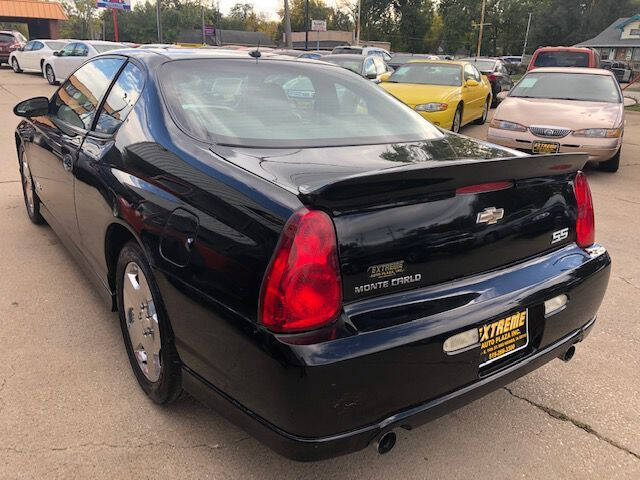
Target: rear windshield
<point x="428" y="74"/>
<point x="105" y="47"/>
<point x="55" y="45"/>
<point x="483" y="65"/>
<point x="562" y="59"/>
<point x="356" y="51"/>
<point x="352" y="64"/>
<point x="7" y="38"/>
<point x="284" y="104"/>
<point x="568" y="86"/>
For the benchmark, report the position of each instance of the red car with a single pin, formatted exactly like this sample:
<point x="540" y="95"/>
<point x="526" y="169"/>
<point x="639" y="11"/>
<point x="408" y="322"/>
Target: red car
<point x="564" y="57"/>
<point x="9" y="41"/>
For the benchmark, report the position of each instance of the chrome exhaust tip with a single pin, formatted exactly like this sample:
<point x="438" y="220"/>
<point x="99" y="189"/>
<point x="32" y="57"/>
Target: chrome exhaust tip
<point x="568" y="354"/>
<point x="385" y="443"/>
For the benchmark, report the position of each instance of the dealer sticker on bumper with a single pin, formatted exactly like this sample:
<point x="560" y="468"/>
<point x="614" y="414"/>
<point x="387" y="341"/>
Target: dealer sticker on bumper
<point x="503" y="337"/>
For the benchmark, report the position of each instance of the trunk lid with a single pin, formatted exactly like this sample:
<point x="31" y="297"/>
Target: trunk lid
<point x="402" y="221"/>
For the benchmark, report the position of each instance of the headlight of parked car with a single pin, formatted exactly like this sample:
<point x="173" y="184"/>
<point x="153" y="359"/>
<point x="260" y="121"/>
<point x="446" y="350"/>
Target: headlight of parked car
<point x="432" y="107"/>
<point x="599" y="133"/>
<point x="504" y="125"/>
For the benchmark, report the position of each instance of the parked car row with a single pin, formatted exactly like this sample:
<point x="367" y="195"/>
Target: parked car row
<point x="293" y="246"/>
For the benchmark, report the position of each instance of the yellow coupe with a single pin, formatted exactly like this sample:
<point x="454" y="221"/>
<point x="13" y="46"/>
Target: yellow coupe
<point x="448" y="94"/>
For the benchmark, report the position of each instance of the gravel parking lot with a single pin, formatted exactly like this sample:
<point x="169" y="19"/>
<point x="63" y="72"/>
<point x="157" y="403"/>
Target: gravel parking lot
<point x="71" y="408"/>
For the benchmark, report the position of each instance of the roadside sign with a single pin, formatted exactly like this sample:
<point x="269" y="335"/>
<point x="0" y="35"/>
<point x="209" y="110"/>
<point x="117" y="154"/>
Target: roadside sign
<point x="209" y="30"/>
<point x="114" y="4"/>
<point x="319" y="25"/>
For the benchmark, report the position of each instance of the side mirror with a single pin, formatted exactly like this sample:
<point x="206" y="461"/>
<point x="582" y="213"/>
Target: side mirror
<point x="471" y="83"/>
<point x="385" y="77"/>
<point x="502" y="95"/>
<point x="371" y="75"/>
<point x="34" y="107"/>
<point x="57" y="53"/>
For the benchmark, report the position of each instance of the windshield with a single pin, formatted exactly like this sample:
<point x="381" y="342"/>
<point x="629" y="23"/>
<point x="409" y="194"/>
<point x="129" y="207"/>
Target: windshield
<point x="284" y="104"/>
<point x="483" y="65"/>
<point x="55" y="45"/>
<point x="562" y="59"/>
<point x="568" y="86"/>
<point x="428" y="74"/>
<point x="339" y="50"/>
<point x="105" y="47"/>
<point x="353" y="64"/>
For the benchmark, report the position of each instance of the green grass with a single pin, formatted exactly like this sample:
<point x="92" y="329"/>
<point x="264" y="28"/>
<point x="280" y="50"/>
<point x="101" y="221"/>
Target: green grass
<point x="633" y="108"/>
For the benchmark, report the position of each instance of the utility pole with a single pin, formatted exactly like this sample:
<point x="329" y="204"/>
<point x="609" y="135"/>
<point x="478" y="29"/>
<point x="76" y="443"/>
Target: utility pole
<point x="306" y="25"/>
<point x="204" y="39"/>
<point x="287" y="25"/>
<point x="484" y="4"/>
<point x="358" y="28"/>
<point x="526" y="37"/>
<point x="158" y="22"/>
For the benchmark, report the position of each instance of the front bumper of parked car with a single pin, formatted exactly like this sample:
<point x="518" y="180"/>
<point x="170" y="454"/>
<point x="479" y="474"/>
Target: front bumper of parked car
<point x="598" y="149"/>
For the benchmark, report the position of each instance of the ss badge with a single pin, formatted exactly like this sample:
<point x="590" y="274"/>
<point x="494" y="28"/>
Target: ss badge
<point x="559" y="235"/>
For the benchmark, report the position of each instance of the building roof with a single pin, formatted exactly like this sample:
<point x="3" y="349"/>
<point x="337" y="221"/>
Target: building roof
<point x="32" y="9"/>
<point x="610" y="37"/>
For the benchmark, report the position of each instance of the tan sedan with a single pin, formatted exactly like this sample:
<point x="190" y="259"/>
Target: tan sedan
<point x="554" y="110"/>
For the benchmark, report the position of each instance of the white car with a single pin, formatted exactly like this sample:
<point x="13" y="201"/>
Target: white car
<point x="364" y="51"/>
<point x="31" y="57"/>
<point x="64" y="62"/>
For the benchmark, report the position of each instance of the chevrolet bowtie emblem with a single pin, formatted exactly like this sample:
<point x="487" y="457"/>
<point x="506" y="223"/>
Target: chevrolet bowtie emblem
<point x="490" y="215"/>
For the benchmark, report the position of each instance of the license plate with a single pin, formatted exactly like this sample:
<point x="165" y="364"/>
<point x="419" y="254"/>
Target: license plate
<point x="545" y="147"/>
<point x="503" y="337"/>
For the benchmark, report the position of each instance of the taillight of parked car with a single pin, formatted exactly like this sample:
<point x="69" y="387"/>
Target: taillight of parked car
<point x="585" y="224"/>
<point x="492" y="77"/>
<point x="15" y="46"/>
<point x="302" y="289"/>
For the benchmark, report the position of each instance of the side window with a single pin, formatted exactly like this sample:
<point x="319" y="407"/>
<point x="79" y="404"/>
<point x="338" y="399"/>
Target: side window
<point x="369" y="67"/>
<point x="468" y="72"/>
<point x="28" y="47"/>
<point x="81" y="50"/>
<point x="37" y="46"/>
<point x="76" y="101"/>
<point x="121" y="99"/>
<point x="67" y="51"/>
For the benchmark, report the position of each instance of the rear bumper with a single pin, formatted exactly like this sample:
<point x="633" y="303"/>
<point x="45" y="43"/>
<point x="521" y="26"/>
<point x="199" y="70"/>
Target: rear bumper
<point x="327" y="399"/>
<point x="598" y="149"/>
<point x="318" y="448"/>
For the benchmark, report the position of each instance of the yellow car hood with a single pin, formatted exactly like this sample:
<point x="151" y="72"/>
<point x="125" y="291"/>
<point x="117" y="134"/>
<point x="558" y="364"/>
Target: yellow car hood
<point x="414" y="94"/>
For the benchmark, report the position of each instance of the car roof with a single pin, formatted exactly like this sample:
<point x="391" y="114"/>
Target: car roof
<point x="583" y="70"/>
<point x="351" y="56"/>
<point x="446" y="62"/>
<point x="563" y="49"/>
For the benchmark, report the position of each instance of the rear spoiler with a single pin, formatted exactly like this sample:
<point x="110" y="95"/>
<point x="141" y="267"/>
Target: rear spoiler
<point x="411" y="182"/>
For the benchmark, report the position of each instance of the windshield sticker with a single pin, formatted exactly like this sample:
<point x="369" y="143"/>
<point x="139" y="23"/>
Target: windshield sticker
<point x="528" y="82"/>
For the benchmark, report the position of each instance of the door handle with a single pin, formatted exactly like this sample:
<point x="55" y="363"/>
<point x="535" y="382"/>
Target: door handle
<point x="67" y="162"/>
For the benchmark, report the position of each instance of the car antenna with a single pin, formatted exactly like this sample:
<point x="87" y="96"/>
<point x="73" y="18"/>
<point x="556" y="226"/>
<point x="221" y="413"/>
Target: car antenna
<point x="256" y="53"/>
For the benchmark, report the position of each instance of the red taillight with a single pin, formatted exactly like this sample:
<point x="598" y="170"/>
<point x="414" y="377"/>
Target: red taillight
<point x="14" y="46"/>
<point x="585" y="224"/>
<point x="302" y="289"/>
<point x="492" y="77"/>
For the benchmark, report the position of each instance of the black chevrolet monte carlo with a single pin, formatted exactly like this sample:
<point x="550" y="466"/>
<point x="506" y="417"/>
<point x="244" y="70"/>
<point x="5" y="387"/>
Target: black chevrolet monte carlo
<point x="293" y="246"/>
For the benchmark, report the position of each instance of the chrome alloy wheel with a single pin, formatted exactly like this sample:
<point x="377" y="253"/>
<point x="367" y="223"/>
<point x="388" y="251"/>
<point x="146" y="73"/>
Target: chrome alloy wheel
<point x="457" y="120"/>
<point x="142" y="321"/>
<point x="27" y="186"/>
<point x="51" y="78"/>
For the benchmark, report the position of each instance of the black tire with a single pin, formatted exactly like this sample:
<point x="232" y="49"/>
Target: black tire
<point x="15" y="65"/>
<point x="612" y="165"/>
<point x="50" y="74"/>
<point x="168" y="387"/>
<point x="456" y="126"/>
<point x="31" y="199"/>
<point x="494" y="98"/>
<point x="485" y="113"/>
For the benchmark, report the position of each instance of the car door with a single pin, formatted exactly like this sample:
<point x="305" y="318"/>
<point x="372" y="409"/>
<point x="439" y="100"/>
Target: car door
<point x="22" y="55"/>
<point x="473" y="96"/>
<point x="63" y="61"/>
<point x="31" y="57"/>
<point x="99" y="145"/>
<point x="53" y="153"/>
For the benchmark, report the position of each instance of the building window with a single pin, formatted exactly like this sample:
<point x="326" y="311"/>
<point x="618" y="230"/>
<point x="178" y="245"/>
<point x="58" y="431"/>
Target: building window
<point x="636" y="54"/>
<point x="635" y="32"/>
